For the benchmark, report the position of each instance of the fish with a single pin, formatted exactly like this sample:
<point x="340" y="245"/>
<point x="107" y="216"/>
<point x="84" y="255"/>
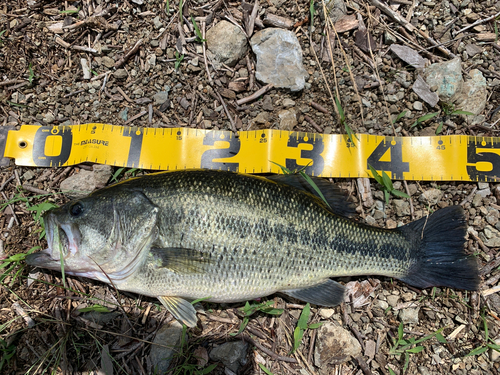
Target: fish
<point x="230" y="237"/>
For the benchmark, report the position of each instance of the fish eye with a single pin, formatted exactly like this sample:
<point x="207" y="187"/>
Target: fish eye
<point x="76" y="209"/>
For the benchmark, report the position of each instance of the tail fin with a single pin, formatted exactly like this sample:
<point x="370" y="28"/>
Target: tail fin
<point x="441" y="260"/>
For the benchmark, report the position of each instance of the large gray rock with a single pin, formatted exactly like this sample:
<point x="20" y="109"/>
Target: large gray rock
<point x="227" y="43"/>
<point x="279" y="59"/>
<point x="472" y="97"/>
<point x="447" y="77"/>
<point x="334" y="345"/>
<point x="84" y="182"/>
<point x="166" y="343"/>
<point x="232" y="354"/>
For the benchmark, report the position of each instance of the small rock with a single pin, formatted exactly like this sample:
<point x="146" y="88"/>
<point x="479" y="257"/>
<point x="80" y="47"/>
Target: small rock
<point x="100" y="318"/>
<point x="392" y="300"/>
<point x="87" y="74"/>
<point x="417" y="106"/>
<point x="477" y="200"/>
<point x="401" y="207"/>
<point x="108" y="62"/>
<point x="49" y="118"/>
<point x="391" y="224"/>
<point x="490" y="236"/>
<point x="165" y="344"/>
<point x="287" y="103"/>
<point x="124" y="114"/>
<point x="262" y="118"/>
<point x="494" y="354"/>
<point x="231" y="354"/>
<point x="226" y="43"/>
<point x="326" y="313"/>
<point x="483" y="185"/>
<point x="409" y="315"/>
<point x="267" y="103"/>
<point x="160" y="97"/>
<point x="334" y="345"/>
<point x="120" y="74"/>
<point x="473" y="49"/>
<point x="370" y="220"/>
<point x="484" y="192"/>
<point x="288" y="119"/>
<point x="335" y="9"/>
<point x="279" y="58"/>
<point x="28" y="175"/>
<point x="424" y="92"/>
<point x="431" y="196"/>
<point x="370" y="347"/>
<point x="409" y="55"/>
<point x="157" y="23"/>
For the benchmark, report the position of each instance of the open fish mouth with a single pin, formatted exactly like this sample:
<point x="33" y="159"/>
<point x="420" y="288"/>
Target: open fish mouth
<point x="62" y="241"/>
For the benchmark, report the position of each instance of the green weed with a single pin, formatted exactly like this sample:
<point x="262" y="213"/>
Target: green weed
<point x="400" y="116"/>
<point x="307" y="178"/>
<point x="489" y="343"/>
<point x="38" y="210"/>
<point x="343" y="122"/>
<point x="181" y="4"/>
<point x="95" y="308"/>
<point x="265" y="369"/>
<point x="407" y="347"/>
<point x="178" y="60"/>
<point x="199" y="35"/>
<point x="448" y="111"/>
<point x="302" y="325"/>
<point x="31" y="75"/>
<point x="387" y="186"/>
<point x="14" y="265"/>
<point x="251" y="309"/>
<point x="130" y="173"/>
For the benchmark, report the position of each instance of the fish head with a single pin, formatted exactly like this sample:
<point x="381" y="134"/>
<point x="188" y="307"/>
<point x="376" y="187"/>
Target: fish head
<point x="101" y="236"/>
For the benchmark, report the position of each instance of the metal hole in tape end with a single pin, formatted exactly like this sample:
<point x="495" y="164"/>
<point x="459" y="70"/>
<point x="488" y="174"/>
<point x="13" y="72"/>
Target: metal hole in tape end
<point x="22" y="144"/>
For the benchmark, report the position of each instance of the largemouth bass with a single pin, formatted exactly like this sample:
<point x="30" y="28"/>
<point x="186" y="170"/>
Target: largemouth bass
<point x="231" y="237"/>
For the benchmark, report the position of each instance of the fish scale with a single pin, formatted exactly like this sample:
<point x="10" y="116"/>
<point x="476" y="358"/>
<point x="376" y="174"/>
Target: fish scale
<point x="231" y="237"/>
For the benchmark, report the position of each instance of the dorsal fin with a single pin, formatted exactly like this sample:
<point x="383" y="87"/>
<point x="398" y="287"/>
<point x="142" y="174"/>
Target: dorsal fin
<point x="335" y="197"/>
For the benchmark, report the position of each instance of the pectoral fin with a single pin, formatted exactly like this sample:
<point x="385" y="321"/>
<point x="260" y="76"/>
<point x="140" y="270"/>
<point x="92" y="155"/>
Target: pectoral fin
<point x="328" y="293"/>
<point x="181" y="309"/>
<point x="181" y="260"/>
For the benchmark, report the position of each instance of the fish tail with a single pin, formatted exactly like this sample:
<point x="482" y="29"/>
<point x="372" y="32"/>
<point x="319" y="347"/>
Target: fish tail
<point x="440" y="259"/>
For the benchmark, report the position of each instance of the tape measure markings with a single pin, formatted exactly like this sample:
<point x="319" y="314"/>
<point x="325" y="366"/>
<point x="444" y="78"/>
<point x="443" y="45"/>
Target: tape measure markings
<point x="460" y="158"/>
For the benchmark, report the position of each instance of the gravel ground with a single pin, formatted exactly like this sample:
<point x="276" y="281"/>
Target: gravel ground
<point x="132" y="74"/>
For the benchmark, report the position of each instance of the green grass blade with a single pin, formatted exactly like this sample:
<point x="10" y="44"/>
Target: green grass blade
<point x="265" y="369"/>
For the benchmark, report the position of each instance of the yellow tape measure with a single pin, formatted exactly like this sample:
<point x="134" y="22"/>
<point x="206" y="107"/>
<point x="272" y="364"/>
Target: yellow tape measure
<point x="460" y="158"/>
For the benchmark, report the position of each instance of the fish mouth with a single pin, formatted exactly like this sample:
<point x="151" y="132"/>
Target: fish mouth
<point x="62" y="242"/>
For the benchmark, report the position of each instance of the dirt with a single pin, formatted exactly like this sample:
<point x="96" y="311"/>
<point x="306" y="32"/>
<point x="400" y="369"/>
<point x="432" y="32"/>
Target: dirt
<point x="43" y="329"/>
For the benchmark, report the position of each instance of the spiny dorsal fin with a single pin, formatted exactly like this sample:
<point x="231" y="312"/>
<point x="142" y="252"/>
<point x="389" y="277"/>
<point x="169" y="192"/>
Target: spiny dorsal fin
<point x="181" y="309"/>
<point x="328" y="293"/>
<point x="335" y="197"/>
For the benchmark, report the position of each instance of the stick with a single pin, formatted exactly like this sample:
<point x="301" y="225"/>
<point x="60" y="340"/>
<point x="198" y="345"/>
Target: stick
<point x="233" y="125"/>
<point x="255" y="95"/>
<point x="125" y="57"/>
<point x="478" y="22"/>
<point x="398" y="18"/>
<point x="203" y="27"/>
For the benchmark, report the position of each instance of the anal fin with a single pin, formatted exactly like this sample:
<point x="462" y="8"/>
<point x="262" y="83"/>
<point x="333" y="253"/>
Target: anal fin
<point x="328" y="293"/>
<point x="181" y="309"/>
